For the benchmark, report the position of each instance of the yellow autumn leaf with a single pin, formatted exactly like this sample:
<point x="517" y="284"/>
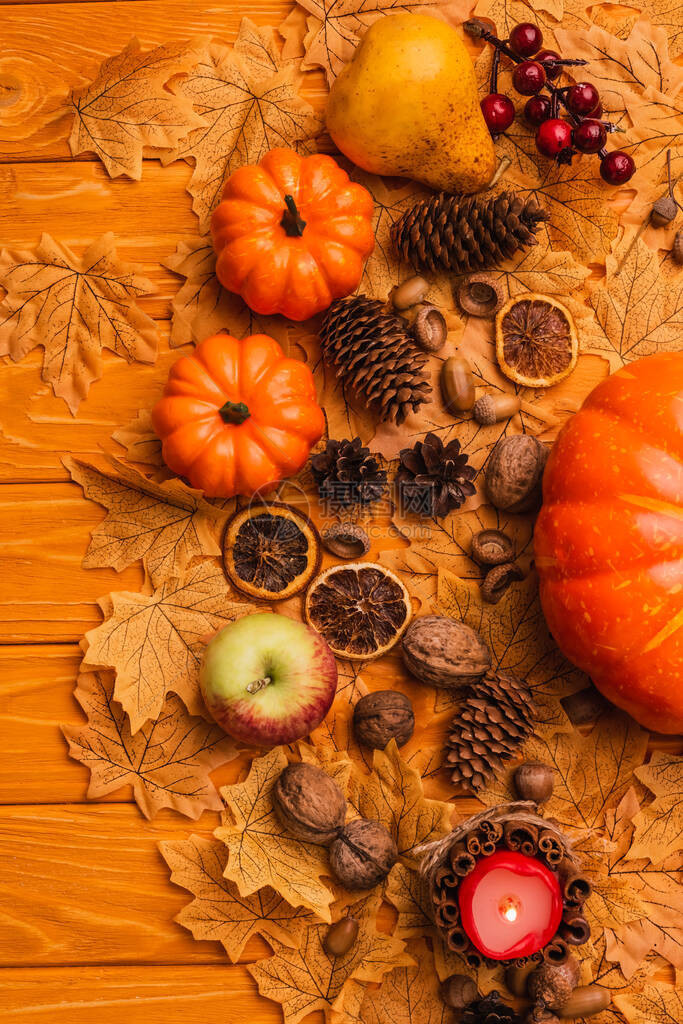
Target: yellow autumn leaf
<point x="409" y="995"/>
<point x="308" y="978"/>
<point x="261" y="850"/>
<point x="659" y="826"/>
<point x="654" y="1004"/>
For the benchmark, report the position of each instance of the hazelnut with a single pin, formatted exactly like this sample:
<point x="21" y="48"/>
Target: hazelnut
<point x="443" y="652"/>
<point x="346" y="540"/>
<point x="382" y="716"/>
<point x="363" y="854"/>
<point x="458" y="991"/>
<point x="553" y="984"/>
<point x="429" y="329"/>
<point x="498" y="580"/>
<point x="341" y="936"/>
<point x="514" y="473"/>
<point x="492" y="547"/>
<point x="534" y="781"/>
<point x="309" y="804"/>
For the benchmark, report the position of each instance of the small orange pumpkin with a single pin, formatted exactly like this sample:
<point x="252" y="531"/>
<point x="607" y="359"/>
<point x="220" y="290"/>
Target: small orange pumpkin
<point x="237" y="417"/>
<point x="292" y="233"/>
<point x="609" y="540"/>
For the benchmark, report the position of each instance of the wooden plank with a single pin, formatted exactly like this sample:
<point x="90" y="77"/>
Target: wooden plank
<point x="46" y="595"/>
<point x="49" y="49"/>
<point x="37" y="428"/>
<point x="149" y="995"/>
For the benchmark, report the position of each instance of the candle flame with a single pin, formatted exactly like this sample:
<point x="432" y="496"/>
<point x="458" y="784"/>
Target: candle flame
<point x="509" y="908"/>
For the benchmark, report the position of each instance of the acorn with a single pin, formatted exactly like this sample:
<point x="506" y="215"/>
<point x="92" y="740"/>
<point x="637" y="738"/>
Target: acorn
<point x="480" y="295"/>
<point x="429" y="329"/>
<point x="409" y="293"/>
<point x="553" y="984"/>
<point x="585" y="1001"/>
<point x="341" y="936"/>
<point x="492" y="547"/>
<point x="534" y="781"/>
<point x="458" y="991"/>
<point x="517" y="977"/>
<point x="489" y="409"/>
<point x="677" y="250"/>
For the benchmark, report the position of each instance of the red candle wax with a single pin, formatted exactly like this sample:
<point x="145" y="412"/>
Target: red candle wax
<point x="510" y="905"/>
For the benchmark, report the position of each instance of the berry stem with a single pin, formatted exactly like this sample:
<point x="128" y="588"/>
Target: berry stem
<point x="494" y="70"/>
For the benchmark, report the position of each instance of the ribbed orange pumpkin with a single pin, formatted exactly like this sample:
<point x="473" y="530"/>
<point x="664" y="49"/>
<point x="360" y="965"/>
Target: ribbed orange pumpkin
<point x="609" y="540"/>
<point x="237" y="417"/>
<point x="292" y="233"/>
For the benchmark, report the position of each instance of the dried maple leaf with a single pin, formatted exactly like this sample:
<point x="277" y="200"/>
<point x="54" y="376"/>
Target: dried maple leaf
<point x="165" y="525"/>
<point x="406" y="892"/>
<point x="597" y="968"/>
<point x="669" y="15"/>
<point x="638" y="307"/>
<point x="409" y="995"/>
<point x="261" y="850"/>
<point x="140" y="441"/>
<point x="659" y="826"/>
<point x="622" y="69"/>
<point x="308" y="978"/>
<point x="202" y="307"/>
<point x="335" y="732"/>
<point x="155" y="641"/>
<point x="218" y="913"/>
<point x="246" y="111"/>
<point x="393" y="794"/>
<point x="547" y="14"/>
<point x="519" y="640"/>
<point x="654" y="1004"/>
<point x="167" y="762"/>
<point x="657" y="129"/>
<point x="337" y="28"/>
<point x="127" y="109"/>
<point x="73" y="307"/>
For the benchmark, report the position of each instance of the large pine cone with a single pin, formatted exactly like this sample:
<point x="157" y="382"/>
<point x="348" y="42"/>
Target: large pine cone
<point x="463" y="233"/>
<point x="495" y="718"/>
<point x="375" y="356"/>
<point x="434" y="478"/>
<point x="347" y="474"/>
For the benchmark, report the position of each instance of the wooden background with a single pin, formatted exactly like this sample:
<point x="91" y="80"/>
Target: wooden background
<point x="86" y="907"/>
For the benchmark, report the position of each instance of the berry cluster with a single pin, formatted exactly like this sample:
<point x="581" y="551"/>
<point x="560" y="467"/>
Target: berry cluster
<point x="581" y="129"/>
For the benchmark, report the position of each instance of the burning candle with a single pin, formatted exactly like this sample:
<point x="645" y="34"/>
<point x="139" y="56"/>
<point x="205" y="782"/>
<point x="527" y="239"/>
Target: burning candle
<point x="510" y="905"/>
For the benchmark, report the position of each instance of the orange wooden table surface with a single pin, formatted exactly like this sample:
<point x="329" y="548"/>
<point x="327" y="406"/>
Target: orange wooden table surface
<point x="86" y="919"/>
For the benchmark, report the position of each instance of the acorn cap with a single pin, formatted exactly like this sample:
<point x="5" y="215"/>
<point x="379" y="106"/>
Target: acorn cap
<point x="480" y="295"/>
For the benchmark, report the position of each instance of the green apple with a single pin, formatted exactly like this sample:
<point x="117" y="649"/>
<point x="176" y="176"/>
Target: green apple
<point x="267" y="679"/>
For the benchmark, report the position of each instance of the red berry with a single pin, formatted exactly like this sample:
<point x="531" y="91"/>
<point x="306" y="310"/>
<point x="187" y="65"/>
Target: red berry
<point x="590" y="136"/>
<point x="528" y="78"/>
<point x="526" y="39"/>
<point x="597" y="113"/>
<point x="582" y="98"/>
<point x="498" y="111"/>
<point x="551" y="72"/>
<point x="617" y="168"/>
<point x="553" y="136"/>
<point x="537" y="110"/>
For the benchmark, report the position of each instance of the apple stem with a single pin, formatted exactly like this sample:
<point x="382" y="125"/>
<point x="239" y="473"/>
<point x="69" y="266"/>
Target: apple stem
<point x="258" y="684"/>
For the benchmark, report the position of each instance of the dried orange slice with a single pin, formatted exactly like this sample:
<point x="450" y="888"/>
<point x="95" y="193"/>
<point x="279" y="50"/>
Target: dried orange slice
<point x="270" y="551"/>
<point x="361" y="609"/>
<point x="536" y="340"/>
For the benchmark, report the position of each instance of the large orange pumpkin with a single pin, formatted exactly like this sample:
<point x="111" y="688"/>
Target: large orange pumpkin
<point x="292" y="233"/>
<point x="609" y="540"/>
<point x="237" y="417"/>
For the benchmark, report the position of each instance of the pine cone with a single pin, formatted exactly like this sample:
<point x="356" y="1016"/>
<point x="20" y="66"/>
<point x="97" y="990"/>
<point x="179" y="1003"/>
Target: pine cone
<point x="495" y="718"/>
<point x="347" y="474"/>
<point x="463" y="233"/>
<point x="375" y="356"/>
<point x="489" y="1010"/>
<point x="433" y="479"/>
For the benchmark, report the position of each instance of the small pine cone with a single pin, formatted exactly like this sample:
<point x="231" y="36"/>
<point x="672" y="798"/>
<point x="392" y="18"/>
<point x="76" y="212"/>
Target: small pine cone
<point x="464" y="233"/>
<point x="489" y="1010"/>
<point x="347" y="474"/>
<point x="375" y="356"/>
<point x="434" y="478"/>
<point x="495" y="718"/>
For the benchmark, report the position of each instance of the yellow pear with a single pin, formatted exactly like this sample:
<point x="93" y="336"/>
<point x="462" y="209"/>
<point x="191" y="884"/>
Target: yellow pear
<point x="407" y="105"/>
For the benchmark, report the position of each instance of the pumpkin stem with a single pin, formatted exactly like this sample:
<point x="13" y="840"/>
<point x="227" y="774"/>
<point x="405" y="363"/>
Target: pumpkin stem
<point x="234" y="412"/>
<point x="291" y="220"/>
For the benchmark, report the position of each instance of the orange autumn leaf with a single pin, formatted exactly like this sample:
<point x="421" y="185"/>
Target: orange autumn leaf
<point x="73" y="307"/>
<point x="409" y="995"/>
<point x="167" y="762"/>
<point x="654" y="1004"/>
<point x="659" y="825"/>
<point x="128" y="110"/>
<point x="218" y="913"/>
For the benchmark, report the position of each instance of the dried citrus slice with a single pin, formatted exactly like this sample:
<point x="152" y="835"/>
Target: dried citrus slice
<point x="536" y="340"/>
<point x="270" y="551"/>
<point x="361" y="609"/>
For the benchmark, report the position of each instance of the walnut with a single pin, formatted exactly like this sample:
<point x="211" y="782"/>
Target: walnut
<point x="514" y="473"/>
<point x="382" y="716"/>
<point x="443" y="652"/>
<point x="553" y="984"/>
<point x="309" y="804"/>
<point x="363" y="854"/>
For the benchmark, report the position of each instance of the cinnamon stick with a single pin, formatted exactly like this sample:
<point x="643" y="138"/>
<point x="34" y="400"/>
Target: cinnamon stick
<point x="574" y="929"/>
<point x="550" y="847"/>
<point x="456" y="939"/>
<point x="462" y="861"/>
<point x="523" y="838"/>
